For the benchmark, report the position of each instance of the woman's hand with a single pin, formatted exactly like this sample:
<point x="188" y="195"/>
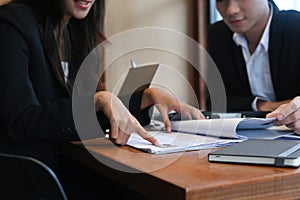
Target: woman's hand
<point x="288" y="114"/>
<point x="121" y="121"/>
<point x="165" y="103"/>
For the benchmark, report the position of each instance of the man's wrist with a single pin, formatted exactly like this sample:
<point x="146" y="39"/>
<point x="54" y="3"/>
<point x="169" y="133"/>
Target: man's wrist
<point x="258" y="104"/>
<point x="265" y="105"/>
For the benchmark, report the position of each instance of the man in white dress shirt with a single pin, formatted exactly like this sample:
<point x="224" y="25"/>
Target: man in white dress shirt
<point x="255" y="48"/>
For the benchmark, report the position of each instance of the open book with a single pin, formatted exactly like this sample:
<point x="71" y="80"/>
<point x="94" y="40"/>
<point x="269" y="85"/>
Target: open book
<point x="199" y="134"/>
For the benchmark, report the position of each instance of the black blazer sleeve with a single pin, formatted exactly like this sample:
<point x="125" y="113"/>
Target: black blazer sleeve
<point x="30" y="108"/>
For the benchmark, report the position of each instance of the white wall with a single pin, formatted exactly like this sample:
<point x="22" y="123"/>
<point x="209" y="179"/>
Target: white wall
<point x="288" y="4"/>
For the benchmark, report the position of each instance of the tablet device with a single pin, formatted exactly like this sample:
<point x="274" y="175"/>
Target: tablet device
<point x="138" y="78"/>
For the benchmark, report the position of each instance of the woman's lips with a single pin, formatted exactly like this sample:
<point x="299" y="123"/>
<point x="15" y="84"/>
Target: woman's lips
<point x="83" y="4"/>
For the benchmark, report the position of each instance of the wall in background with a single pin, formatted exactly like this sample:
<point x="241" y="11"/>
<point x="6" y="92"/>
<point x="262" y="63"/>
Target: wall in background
<point x="177" y="15"/>
<point x="288" y="4"/>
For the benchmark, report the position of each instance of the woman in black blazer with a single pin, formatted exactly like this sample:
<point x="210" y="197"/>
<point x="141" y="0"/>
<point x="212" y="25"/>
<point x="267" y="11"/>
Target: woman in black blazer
<point x="36" y="92"/>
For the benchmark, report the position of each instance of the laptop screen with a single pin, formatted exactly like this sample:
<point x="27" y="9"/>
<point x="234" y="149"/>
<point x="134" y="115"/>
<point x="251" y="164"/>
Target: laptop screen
<point x="137" y="79"/>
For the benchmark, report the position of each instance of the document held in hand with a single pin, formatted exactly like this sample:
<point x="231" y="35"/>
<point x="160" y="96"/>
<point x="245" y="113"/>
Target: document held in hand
<point x="198" y="134"/>
<point x="225" y="128"/>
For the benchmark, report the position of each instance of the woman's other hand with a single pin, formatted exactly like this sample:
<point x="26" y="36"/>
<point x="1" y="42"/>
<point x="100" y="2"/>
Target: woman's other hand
<point x="165" y="103"/>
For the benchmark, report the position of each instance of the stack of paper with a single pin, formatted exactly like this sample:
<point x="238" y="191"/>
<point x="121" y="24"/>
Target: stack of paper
<point x="177" y="141"/>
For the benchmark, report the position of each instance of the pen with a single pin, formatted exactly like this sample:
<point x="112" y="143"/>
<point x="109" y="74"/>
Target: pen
<point x="133" y="65"/>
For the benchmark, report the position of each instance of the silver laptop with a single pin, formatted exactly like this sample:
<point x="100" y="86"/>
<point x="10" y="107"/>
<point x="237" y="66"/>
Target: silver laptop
<point x="137" y="79"/>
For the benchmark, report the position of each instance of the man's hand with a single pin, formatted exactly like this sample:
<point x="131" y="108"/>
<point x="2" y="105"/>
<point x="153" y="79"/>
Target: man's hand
<point x="288" y="114"/>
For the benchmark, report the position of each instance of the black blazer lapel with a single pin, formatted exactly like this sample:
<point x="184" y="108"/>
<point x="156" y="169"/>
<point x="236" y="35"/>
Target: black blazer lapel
<point x="67" y="89"/>
<point x="275" y="46"/>
<point x="240" y="68"/>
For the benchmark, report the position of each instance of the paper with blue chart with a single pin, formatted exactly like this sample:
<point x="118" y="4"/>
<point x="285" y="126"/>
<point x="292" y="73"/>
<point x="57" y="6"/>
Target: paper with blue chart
<point x="200" y="134"/>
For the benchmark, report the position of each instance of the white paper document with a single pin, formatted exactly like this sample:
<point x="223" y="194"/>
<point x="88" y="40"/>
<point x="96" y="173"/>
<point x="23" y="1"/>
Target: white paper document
<point x="177" y="142"/>
<point x="221" y="127"/>
<point x="199" y="134"/>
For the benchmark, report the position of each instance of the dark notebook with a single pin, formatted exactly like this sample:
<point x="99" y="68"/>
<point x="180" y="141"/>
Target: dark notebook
<point x="281" y="153"/>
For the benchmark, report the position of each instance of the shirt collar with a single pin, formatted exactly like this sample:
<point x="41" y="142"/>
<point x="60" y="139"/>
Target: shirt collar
<point x="240" y="39"/>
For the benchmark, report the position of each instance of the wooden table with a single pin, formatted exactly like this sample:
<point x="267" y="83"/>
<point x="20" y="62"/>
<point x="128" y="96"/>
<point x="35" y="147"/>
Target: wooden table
<point x="186" y="175"/>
